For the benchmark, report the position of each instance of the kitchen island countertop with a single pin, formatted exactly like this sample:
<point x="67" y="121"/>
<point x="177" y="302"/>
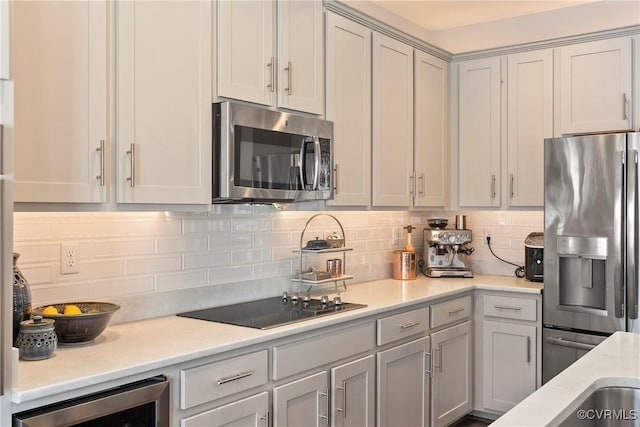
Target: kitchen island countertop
<point x="615" y="362"/>
<point x="128" y="349"/>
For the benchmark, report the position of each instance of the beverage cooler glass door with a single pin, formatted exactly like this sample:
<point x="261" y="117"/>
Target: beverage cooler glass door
<point x="585" y="232"/>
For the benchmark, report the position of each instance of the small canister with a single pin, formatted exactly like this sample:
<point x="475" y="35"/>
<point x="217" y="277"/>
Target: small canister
<point x="37" y="339"/>
<point x="404" y="265"/>
<point x="334" y="267"/>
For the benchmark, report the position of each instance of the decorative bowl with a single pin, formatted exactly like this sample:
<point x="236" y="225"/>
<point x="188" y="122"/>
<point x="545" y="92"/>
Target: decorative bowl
<point x="79" y="328"/>
<point x="335" y="241"/>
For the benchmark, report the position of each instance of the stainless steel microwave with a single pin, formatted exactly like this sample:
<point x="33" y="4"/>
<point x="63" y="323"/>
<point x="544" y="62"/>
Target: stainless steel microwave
<point x="261" y="155"/>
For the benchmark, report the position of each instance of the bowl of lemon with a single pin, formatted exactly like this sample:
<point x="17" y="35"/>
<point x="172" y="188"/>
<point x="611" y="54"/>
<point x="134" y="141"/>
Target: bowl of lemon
<point x="78" y="322"/>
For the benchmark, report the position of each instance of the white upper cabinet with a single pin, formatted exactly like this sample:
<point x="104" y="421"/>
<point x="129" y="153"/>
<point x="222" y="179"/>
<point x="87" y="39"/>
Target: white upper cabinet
<point x="479" y="133"/>
<point x="249" y="68"/>
<point x="393" y="180"/>
<point x="596" y="86"/>
<point x="4" y="40"/>
<point x="246" y="40"/>
<point x="431" y="139"/>
<point x="348" y="60"/>
<point x="529" y="121"/>
<point x="163" y="102"/>
<point x="59" y="65"/>
<point x="300" y="56"/>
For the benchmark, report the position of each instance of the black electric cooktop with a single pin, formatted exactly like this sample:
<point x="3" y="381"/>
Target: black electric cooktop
<point x="272" y="312"/>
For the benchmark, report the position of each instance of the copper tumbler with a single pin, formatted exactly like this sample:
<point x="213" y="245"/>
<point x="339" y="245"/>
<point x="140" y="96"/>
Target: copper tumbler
<point x="404" y="265"/>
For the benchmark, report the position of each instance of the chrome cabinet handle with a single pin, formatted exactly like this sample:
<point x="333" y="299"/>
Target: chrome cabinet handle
<point x="428" y="365"/>
<point x="570" y="344"/>
<point x="235" y="377"/>
<point x="455" y="310"/>
<point x="271" y="84"/>
<point x="439" y="358"/>
<point x="511" y="185"/>
<point x="266" y="417"/>
<point x="326" y="395"/>
<point x="335" y="178"/>
<point x="409" y="325"/>
<point x="288" y="70"/>
<point x="132" y="153"/>
<point x="421" y="184"/>
<point x="624" y="106"/>
<point x="344" y="399"/>
<point x="493" y="186"/>
<point x="528" y="349"/>
<point x="100" y="150"/>
<point x="508" y="307"/>
<point x="412" y="185"/>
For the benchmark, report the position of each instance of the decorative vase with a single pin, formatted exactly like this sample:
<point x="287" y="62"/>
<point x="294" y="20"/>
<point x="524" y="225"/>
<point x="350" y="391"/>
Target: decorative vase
<point x="21" y="298"/>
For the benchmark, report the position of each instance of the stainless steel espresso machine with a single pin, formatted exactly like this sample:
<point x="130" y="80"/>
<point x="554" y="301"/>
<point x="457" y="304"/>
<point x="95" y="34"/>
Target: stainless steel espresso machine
<point x="446" y="250"/>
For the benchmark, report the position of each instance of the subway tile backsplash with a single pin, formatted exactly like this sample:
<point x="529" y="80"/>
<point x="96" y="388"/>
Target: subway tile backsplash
<point x="158" y="263"/>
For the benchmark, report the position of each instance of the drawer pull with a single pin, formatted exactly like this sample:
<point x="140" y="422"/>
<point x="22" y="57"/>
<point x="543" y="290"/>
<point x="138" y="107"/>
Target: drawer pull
<point x="409" y="325"/>
<point x="508" y="307"/>
<point x="455" y="310"/>
<point x="238" y="376"/>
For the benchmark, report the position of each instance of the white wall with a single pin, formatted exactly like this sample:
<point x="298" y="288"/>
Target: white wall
<point x="156" y="263"/>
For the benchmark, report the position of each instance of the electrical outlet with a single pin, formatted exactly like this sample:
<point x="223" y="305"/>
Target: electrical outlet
<point x="395" y="236"/>
<point x="69" y="258"/>
<point x="487" y="233"/>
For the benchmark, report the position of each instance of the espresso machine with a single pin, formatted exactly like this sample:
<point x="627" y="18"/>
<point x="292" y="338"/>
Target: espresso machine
<point x="446" y="250"/>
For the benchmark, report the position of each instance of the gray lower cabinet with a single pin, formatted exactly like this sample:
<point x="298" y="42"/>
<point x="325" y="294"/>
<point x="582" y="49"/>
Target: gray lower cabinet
<point x="353" y="393"/>
<point x="403" y="385"/>
<point x="451" y="387"/>
<point x="304" y="402"/>
<point x="250" y="412"/>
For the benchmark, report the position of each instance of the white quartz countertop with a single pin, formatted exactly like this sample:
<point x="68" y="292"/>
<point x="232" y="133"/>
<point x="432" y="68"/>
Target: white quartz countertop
<point x="127" y="349"/>
<point x="615" y="362"/>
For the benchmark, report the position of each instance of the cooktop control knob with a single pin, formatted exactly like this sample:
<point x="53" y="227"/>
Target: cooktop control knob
<point x="337" y="300"/>
<point x="324" y="300"/>
<point x="285" y="297"/>
<point x="306" y="298"/>
<point x="294" y="298"/>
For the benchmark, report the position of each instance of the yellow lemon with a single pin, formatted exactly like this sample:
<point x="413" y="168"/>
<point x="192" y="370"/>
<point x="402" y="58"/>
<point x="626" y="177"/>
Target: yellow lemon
<point x="72" y="309"/>
<point x="50" y="310"/>
<point x="93" y="310"/>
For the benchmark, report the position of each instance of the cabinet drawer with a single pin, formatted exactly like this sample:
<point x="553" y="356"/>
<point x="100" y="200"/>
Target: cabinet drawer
<point x="215" y="380"/>
<point x="303" y="355"/>
<point x="450" y="311"/>
<point x="510" y="307"/>
<point x="402" y="325"/>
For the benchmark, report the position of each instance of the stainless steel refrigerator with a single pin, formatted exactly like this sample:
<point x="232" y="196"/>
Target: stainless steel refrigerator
<point x="591" y="244"/>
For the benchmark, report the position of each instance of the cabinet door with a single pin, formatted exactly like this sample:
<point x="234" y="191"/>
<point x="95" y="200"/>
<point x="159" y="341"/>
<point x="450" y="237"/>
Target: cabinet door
<point x="349" y="108"/>
<point x="352" y="394"/>
<point x="250" y="412"/>
<point x="508" y="364"/>
<point x="163" y="52"/>
<point x="451" y="349"/>
<point x="304" y="402"/>
<point x="246" y="63"/>
<point x="300" y="56"/>
<point x="529" y="121"/>
<point x="479" y="133"/>
<point x="595" y="86"/>
<point x="403" y="385"/>
<point x="392" y="122"/>
<point x="59" y="65"/>
<point x="431" y="139"/>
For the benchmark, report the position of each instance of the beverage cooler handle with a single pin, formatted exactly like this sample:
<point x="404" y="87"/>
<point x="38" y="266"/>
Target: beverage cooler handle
<point x="632" y="235"/>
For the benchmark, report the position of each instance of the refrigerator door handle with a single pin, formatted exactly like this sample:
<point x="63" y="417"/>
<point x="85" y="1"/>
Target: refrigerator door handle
<point x="568" y="343"/>
<point x="632" y="234"/>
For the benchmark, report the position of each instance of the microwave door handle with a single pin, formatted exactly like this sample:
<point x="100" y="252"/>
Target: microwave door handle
<point x="632" y="235"/>
<point x="303" y="163"/>
<point x="318" y="158"/>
